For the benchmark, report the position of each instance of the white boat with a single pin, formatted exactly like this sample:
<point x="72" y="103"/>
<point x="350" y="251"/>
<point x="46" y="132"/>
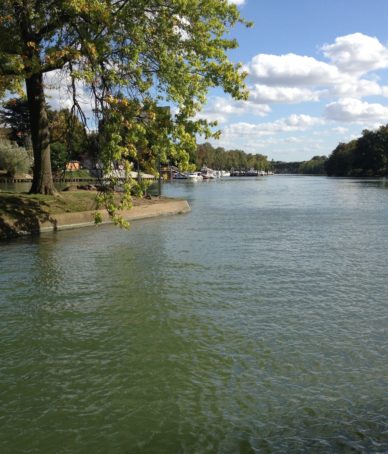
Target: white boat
<point x="221" y="173"/>
<point x="207" y="173"/>
<point x="195" y="176"/>
<point x="179" y="176"/>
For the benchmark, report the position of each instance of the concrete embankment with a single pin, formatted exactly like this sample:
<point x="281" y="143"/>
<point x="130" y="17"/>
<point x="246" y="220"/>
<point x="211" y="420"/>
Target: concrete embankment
<point x="86" y="218"/>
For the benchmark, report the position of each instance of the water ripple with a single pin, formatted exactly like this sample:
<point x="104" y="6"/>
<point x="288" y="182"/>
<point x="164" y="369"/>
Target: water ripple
<point x="257" y="323"/>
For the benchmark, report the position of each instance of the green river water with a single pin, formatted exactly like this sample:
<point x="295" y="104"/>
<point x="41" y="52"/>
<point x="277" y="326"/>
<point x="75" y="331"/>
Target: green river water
<point x="255" y="323"/>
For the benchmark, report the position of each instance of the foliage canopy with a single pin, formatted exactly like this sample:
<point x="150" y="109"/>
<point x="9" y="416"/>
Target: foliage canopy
<point x="365" y="156"/>
<point x="131" y="57"/>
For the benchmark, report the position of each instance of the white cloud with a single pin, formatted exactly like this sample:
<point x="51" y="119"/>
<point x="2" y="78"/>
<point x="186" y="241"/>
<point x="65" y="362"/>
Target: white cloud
<point x="237" y="2"/>
<point x="291" y="70"/>
<point x="290" y="124"/>
<point x="239" y="107"/>
<point x="57" y="89"/>
<point x="384" y="91"/>
<point x="357" y="53"/>
<point x="221" y="109"/>
<point x="58" y="92"/>
<point x="356" y="111"/>
<point x="293" y="139"/>
<point x="348" y="70"/>
<point x="340" y="130"/>
<point x="182" y="29"/>
<point x="292" y="78"/>
<point x="351" y="87"/>
<point x="287" y="95"/>
<point x="346" y="86"/>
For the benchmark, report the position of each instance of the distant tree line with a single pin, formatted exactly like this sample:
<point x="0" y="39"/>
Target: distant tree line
<point x="365" y="156"/>
<point x="285" y="167"/>
<point x="315" y="166"/>
<point x="221" y="159"/>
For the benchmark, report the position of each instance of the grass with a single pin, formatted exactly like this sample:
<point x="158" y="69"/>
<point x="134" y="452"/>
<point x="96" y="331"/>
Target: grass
<point x="24" y="212"/>
<point x="65" y="202"/>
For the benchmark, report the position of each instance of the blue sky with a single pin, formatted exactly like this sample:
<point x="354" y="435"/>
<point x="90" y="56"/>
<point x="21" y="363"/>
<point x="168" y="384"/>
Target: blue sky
<point x="318" y="75"/>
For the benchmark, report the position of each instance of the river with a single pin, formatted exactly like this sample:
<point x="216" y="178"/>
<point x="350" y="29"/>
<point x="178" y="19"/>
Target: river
<point x="255" y="323"/>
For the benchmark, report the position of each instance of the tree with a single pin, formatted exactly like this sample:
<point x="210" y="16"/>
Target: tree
<point x="340" y="162"/>
<point x="59" y="156"/>
<point x="133" y="55"/>
<point x="16" y="116"/>
<point x="370" y="154"/>
<point x="68" y="138"/>
<point x="66" y="128"/>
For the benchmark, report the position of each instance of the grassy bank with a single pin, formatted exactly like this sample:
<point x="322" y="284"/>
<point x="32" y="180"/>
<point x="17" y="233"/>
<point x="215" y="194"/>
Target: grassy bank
<point x="25" y="213"/>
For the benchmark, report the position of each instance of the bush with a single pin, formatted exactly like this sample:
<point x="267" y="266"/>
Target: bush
<point x="14" y="159"/>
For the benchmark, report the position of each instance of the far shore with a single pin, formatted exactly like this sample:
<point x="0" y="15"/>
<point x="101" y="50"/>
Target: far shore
<point x="23" y="214"/>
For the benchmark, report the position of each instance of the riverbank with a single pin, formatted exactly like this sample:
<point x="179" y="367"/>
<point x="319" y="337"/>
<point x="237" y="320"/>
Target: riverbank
<point x="24" y="214"/>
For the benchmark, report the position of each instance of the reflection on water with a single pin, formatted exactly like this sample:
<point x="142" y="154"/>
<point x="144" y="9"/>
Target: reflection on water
<point x="373" y="182"/>
<point x="256" y="323"/>
<point x="14" y="187"/>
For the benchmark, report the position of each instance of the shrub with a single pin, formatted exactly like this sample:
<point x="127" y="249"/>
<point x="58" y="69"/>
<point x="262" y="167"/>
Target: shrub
<point x="14" y="159"/>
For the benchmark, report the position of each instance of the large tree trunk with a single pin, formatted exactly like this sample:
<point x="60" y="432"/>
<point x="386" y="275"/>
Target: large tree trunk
<point x="42" y="182"/>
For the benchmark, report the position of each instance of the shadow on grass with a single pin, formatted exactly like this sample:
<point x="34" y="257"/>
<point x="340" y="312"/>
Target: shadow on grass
<point x="19" y="215"/>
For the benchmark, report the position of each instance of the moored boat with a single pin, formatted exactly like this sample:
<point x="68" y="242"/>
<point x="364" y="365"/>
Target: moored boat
<point x="207" y="174"/>
<point x="195" y="176"/>
<point x="179" y="176"/>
